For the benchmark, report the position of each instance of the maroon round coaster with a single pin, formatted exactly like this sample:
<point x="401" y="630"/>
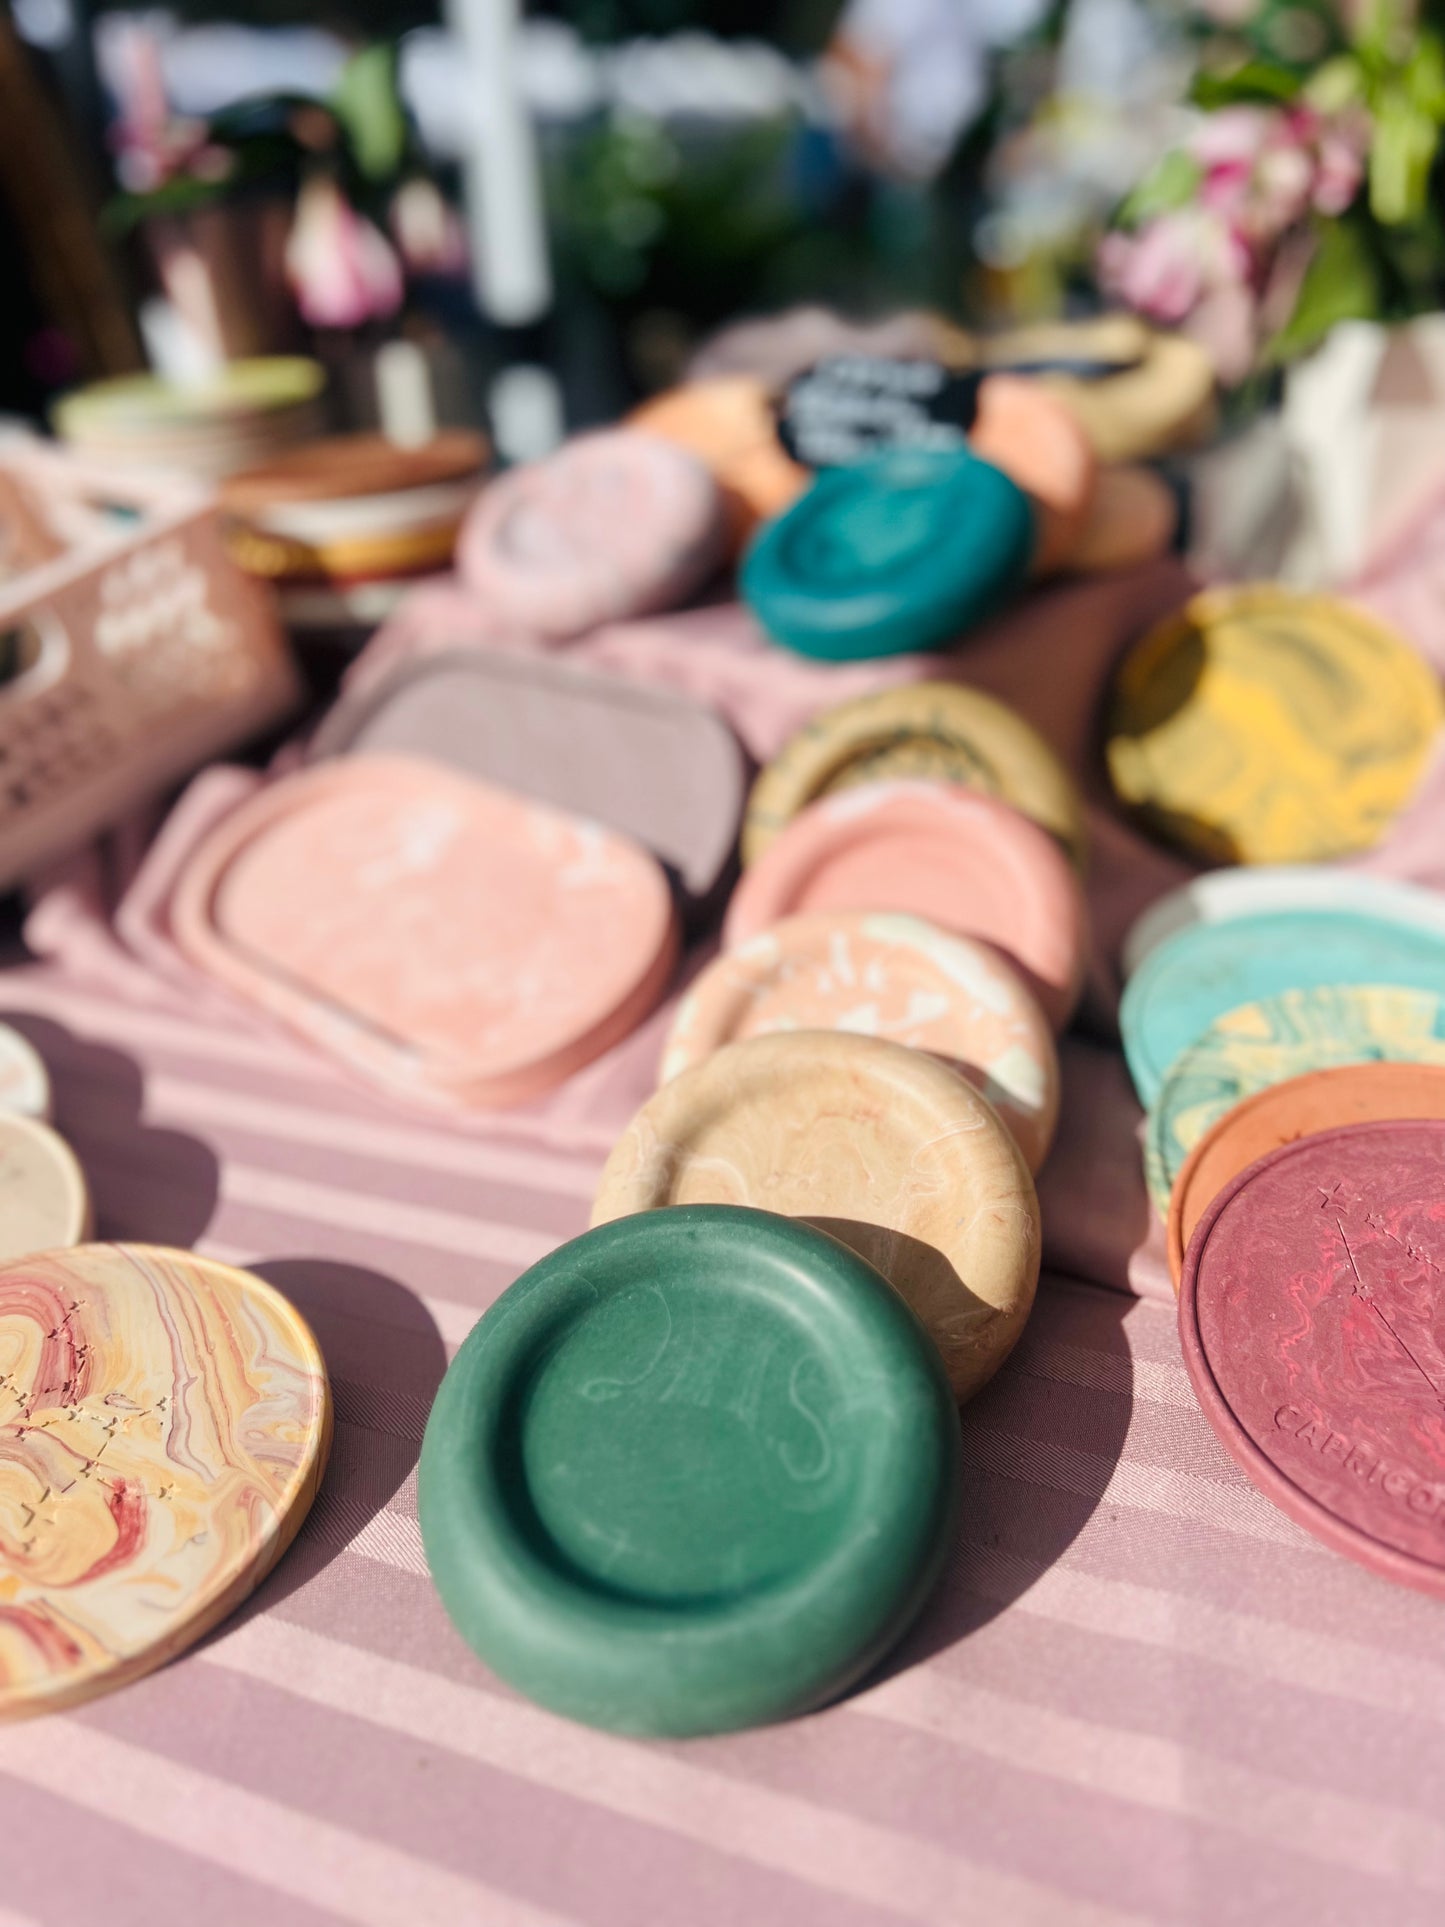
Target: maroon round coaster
<point x="1312" y="1315"/>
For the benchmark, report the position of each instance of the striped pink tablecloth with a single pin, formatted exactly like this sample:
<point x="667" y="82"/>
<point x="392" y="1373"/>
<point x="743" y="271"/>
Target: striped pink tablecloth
<point x="1141" y="1694"/>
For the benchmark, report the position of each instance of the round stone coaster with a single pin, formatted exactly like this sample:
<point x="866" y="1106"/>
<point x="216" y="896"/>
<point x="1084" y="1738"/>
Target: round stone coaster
<point x="614" y="524"/>
<point x="1261" y="1044"/>
<point x="1263" y="725"/>
<point x="1284" y="1113"/>
<point x="958" y="859"/>
<point x="885" y="1147"/>
<point x="1247" y="890"/>
<point x="24" y="1080"/>
<point x="44" y="1200"/>
<point x="941" y="731"/>
<point x="694" y="1471"/>
<point x="1206" y="969"/>
<point x="1310" y="1314"/>
<point x="165" y="1424"/>
<point x="883" y="976"/>
<point x="901" y="552"/>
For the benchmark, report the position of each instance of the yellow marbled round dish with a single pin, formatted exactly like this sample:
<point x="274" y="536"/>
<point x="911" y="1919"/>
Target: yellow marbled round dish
<point x="164" y="1424"/>
<point x="1261" y="725"/>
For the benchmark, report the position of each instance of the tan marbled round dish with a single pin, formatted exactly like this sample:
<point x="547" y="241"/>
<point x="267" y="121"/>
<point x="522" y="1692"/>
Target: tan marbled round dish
<point x="882" y="1146"/>
<point x="164" y="1424"/>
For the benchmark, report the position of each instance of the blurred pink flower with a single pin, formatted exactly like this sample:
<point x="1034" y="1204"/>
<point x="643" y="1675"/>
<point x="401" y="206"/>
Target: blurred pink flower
<point x="342" y="269"/>
<point x="1217" y="264"/>
<point x="1340" y="172"/>
<point x="1164" y="267"/>
<point x="427" y="230"/>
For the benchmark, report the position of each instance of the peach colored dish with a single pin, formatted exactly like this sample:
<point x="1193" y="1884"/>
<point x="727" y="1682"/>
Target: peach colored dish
<point x="884" y="1147"/>
<point x="164" y="1424"/>
<point x="448" y="940"/>
<point x="1300" y="1107"/>
<point x="1038" y="443"/>
<point x="881" y="975"/>
<point x="44" y="1199"/>
<point x="614" y="524"/>
<point x="963" y="861"/>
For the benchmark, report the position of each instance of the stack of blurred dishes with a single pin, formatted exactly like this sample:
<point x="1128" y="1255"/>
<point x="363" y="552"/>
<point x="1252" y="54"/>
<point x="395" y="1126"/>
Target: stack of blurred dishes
<point x="241" y="415"/>
<point x="343" y="526"/>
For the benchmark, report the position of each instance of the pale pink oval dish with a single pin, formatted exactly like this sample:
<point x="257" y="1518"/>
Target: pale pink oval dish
<point x="614" y="524"/>
<point x="448" y="940"/>
<point x="966" y="862"/>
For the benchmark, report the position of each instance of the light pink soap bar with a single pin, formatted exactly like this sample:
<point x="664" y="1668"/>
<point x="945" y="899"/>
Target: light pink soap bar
<point x="963" y="861"/>
<point x="442" y="936"/>
<point x="614" y="524"/>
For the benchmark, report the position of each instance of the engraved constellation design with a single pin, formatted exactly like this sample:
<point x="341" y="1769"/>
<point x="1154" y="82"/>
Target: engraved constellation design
<point x="1366" y="1296"/>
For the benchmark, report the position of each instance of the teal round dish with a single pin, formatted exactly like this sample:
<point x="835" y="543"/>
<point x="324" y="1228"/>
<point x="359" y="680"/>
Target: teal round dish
<point x="1193" y="977"/>
<point x="904" y="551"/>
<point x="694" y="1471"/>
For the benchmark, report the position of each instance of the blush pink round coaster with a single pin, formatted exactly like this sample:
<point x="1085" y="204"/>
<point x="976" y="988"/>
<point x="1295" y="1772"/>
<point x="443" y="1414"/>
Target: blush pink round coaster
<point x="965" y="862"/>
<point x="882" y="975"/>
<point x="1310" y="1312"/>
<point x="614" y="524"/>
<point x="449" y="940"/>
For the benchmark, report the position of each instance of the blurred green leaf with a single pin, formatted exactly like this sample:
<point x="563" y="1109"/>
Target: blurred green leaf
<point x="367" y="103"/>
<point x="1256" y="80"/>
<point x="1342" y="283"/>
<point x="1172" y="184"/>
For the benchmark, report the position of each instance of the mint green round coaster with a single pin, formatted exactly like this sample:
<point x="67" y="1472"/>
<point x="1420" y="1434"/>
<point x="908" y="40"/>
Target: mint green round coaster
<point x="694" y="1471"/>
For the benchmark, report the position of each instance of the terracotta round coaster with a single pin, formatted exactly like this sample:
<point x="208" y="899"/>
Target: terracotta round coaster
<point x="727" y="423"/>
<point x="1285" y="1036"/>
<point x="643" y="760"/>
<point x="885" y="1147"/>
<point x="1284" y="1113"/>
<point x="1310" y="1315"/>
<point x="1024" y="429"/>
<point x="1133" y="517"/>
<point x="883" y="976"/>
<point x="165" y="1425"/>
<point x="44" y="1200"/>
<point x="24" y="1080"/>
<point x="903" y="551"/>
<point x="1261" y="725"/>
<point x="348" y="467"/>
<point x="963" y="861"/>
<point x="694" y="1471"/>
<point x="938" y="730"/>
<point x="614" y="524"/>
<point x="447" y="939"/>
<point x="1206" y="969"/>
<point x="1247" y="890"/>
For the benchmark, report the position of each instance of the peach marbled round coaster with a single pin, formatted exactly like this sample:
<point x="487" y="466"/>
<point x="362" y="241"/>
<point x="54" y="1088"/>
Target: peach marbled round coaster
<point x="886" y="1148"/>
<point x="164" y="1423"/>
<point x="879" y="975"/>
